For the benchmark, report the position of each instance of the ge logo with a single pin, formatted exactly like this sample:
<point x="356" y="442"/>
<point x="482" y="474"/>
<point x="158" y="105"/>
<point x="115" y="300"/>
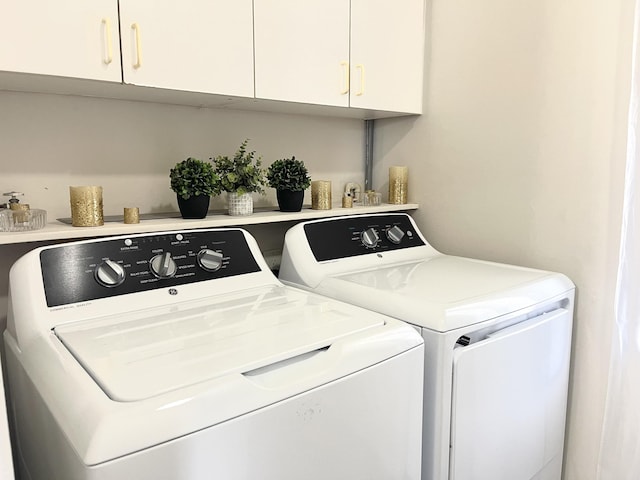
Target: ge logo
<point x="173" y="291"/>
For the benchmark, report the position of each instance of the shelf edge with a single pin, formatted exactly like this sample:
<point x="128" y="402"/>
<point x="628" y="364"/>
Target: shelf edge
<point x="60" y="231"/>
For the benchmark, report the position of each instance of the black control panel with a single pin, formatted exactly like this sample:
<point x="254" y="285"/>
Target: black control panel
<point x="349" y="237"/>
<point x="111" y="267"/>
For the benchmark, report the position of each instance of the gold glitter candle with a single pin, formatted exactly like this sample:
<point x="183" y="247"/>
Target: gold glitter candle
<point x="131" y="215"/>
<point x="20" y="212"/>
<point x="86" y="206"/>
<point x="398" y="183"/>
<point x="321" y="195"/>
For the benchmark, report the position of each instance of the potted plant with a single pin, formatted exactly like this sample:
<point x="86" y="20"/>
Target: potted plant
<point x="290" y="178"/>
<point x="194" y="181"/>
<point x="240" y="176"/>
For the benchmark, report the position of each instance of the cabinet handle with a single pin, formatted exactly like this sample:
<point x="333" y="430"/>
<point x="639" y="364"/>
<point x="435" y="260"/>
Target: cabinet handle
<point x="345" y="70"/>
<point x="360" y="67"/>
<point x="136" y="29"/>
<point x="106" y="25"/>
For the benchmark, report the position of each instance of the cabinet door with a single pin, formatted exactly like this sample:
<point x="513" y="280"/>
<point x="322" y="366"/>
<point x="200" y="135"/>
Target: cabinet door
<point x="190" y="45"/>
<point x="69" y="38"/>
<point x="302" y="51"/>
<point x="387" y="55"/>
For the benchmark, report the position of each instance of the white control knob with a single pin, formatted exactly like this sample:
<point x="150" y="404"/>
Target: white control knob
<point x="395" y="234"/>
<point x="370" y="237"/>
<point x="163" y="266"/>
<point x="209" y="260"/>
<point x="109" y="273"/>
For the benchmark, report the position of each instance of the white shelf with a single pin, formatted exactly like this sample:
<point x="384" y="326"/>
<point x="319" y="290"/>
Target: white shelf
<point x="60" y="231"/>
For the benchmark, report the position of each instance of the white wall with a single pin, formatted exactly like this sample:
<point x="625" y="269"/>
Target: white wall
<point x="519" y="158"/>
<point x="49" y="142"/>
<point x="52" y="141"/>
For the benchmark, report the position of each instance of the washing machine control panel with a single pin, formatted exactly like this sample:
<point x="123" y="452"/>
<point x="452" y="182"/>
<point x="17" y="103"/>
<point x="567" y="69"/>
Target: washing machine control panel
<point x="98" y="269"/>
<point x="333" y="239"/>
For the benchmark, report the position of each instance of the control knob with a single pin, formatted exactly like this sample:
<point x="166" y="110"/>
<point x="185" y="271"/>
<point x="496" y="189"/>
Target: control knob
<point x="163" y="266"/>
<point x="109" y="273"/>
<point x="395" y="234"/>
<point x="209" y="260"/>
<point x="370" y="238"/>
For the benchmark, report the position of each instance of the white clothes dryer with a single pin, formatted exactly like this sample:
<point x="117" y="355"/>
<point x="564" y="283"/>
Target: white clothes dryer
<point x="497" y="340"/>
<point x="180" y="356"/>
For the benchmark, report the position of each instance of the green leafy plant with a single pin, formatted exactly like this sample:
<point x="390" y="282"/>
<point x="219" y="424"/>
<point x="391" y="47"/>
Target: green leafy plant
<point x="288" y="174"/>
<point x="243" y="173"/>
<point x="193" y="177"/>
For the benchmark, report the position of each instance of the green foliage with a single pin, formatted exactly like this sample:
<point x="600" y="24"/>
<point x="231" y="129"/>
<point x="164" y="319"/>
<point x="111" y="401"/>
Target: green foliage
<point x="193" y="177"/>
<point x="242" y="173"/>
<point x="288" y="174"/>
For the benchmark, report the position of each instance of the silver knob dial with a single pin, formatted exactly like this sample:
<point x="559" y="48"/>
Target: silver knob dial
<point x="395" y="234"/>
<point x="109" y="273"/>
<point x="370" y="237"/>
<point x="209" y="260"/>
<point x="163" y="266"/>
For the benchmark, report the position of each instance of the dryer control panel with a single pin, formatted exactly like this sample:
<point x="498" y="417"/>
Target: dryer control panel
<point x="348" y="237"/>
<point x="91" y="270"/>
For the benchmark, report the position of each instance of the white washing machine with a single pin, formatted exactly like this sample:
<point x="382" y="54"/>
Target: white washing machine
<point x="6" y="458"/>
<point x="180" y="356"/>
<point x="497" y="340"/>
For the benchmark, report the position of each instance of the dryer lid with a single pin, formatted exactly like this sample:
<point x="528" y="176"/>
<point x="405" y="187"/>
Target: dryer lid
<point x="153" y="352"/>
<point x="445" y="292"/>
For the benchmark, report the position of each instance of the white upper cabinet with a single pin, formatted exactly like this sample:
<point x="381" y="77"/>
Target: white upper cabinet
<point x="363" y="56"/>
<point x="302" y="51"/>
<point x="366" y="54"/>
<point x="387" y="55"/>
<point x="190" y="45"/>
<point x="68" y="38"/>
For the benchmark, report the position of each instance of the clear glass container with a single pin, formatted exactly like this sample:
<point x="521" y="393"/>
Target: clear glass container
<point x="372" y="198"/>
<point x="22" y="220"/>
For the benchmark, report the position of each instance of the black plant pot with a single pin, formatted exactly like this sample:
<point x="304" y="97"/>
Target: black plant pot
<point x="290" y="201"/>
<point x="194" y="207"/>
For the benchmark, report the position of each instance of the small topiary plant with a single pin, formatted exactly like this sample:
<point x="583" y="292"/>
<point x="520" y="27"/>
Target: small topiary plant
<point x="243" y="173"/>
<point x="193" y="177"/>
<point x="288" y="174"/>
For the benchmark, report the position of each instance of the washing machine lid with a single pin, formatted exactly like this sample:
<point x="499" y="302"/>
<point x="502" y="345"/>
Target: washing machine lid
<point x="445" y="292"/>
<point x="152" y="352"/>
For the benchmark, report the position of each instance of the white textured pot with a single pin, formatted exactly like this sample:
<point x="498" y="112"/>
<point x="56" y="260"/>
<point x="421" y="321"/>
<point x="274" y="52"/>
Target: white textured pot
<point x="240" y="204"/>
